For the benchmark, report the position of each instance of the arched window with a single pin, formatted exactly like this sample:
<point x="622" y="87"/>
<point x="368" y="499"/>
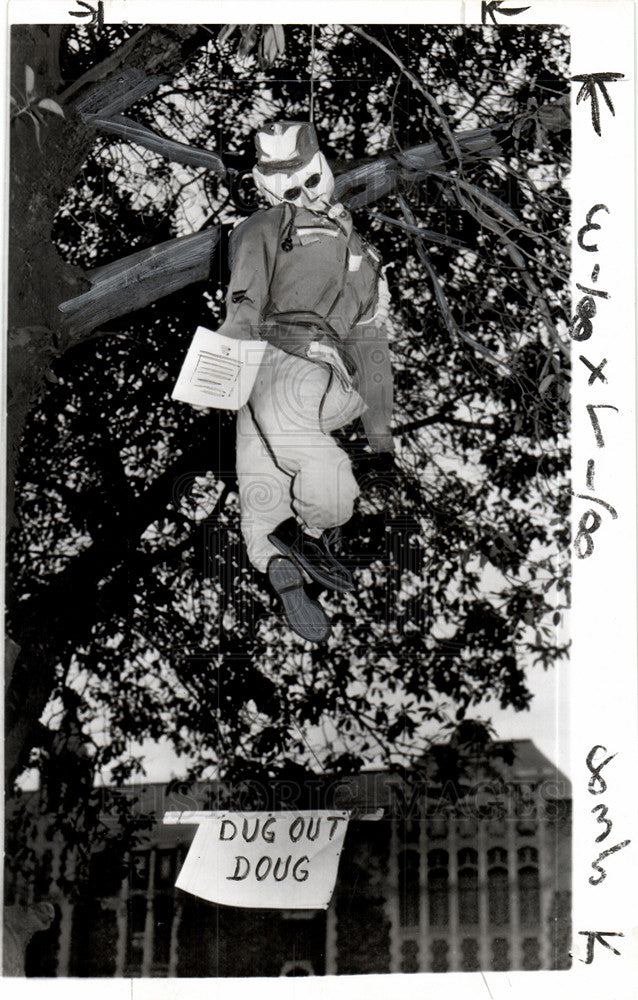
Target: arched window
<point x="526" y="827"/>
<point x="409" y="894"/>
<point x="497" y="887"/>
<point x="526" y="800"/>
<point x="438" y="889"/>
<point x="438" y="828"/>
<point x="165" y="869"/>
<point x="466" y="828"/>
<point x="527" y="856"/>
<point x="468" y="886"/>
<point x="139" y="868"/>
<point x="297" y="968"/>
<point x="529" y="887"/>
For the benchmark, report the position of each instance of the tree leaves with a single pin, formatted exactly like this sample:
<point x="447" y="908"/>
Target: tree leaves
<point x="29" y="83"/>
<point x="182" y="639"/>
<point x="48" y="104"/>
<point x="272" y="45"/>
<point x="272" y="42"/>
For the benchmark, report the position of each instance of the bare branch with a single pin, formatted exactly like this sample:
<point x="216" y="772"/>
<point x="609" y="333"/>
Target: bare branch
<point x="102" y="70"/>
<point x="118" y="93"/>
<point x="178" y="152"/>
<point x="416" y="83"/>
<point x="138" y="280"/>
<point x="441" y="299"/>
<point x="155" y="48"/>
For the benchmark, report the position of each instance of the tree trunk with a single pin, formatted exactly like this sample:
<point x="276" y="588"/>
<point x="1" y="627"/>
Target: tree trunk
<point x="19" y="925"/>
<point x="45" y="160"/>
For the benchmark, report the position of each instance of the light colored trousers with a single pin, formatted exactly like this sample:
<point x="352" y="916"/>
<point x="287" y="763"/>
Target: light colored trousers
<point x="288" y="463"/>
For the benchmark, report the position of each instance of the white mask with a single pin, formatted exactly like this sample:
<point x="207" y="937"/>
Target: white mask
<point x="310" y="187"/>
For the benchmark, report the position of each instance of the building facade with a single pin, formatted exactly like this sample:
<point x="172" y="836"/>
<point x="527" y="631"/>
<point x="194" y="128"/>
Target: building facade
<point x="432" y="878"/>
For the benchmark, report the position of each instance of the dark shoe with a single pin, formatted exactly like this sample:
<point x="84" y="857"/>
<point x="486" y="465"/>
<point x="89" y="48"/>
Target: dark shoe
<point x="305" y="617"/>
<point x="312" y="555"/>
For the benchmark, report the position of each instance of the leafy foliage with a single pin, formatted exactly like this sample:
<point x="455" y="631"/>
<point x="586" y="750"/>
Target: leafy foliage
<point x="129" y="569"/>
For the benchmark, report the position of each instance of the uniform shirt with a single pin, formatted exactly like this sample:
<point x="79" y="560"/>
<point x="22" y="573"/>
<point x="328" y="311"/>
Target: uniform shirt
<point x="299" y="276"/>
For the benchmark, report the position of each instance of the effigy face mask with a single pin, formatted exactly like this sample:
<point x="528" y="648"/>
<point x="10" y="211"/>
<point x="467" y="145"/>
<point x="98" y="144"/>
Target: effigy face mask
<point x="311" y="186"/>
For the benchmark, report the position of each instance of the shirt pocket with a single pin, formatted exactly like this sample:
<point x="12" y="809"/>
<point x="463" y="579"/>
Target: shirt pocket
<point x="313" y="234"/>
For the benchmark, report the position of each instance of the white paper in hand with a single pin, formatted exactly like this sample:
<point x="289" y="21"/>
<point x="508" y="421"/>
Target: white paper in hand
<point x="218" y="371"/>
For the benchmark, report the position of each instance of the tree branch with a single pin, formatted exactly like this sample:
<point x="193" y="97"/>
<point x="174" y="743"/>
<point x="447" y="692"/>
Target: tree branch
<point x="519" y="262"/>
<point x="39" y="178"/>
<point x="416" y="83"/>
<point x="138" y="280"/>
<point x="68" y="600"/>
<point x="178" y="152"/>
<point x="415" y="425"/>
<point x="152" y="48"/>
<point x="441" y="299"/>
<point x="103" y="69"/>
<point x="144" y="277"/>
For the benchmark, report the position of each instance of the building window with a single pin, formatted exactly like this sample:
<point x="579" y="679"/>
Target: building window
<point x="556" y="812"/>
<point x="409" y="956"/>
<point x="531" y="954"/>
<point x="469" y="955"/>
<point x="136" y="926"/>
<point x="498" y="887"/>
<point x="165" y="869"/>
<point x="438" y="891"/>
<point x="500" y="955"/>
<point x="561" y="931"/>
<point x="527" y="856"/>
<point x="106" y="874"/>
<point x="163" y="907"/>
<point x="468" y="887"/>
<point x="467" y="828"/>
<point x="409" y="893"/>
<point x="150" y="911"/>
<point x="526" y="801"/>
<point x="139" y="868"/>
<point x="526" y="827"/>
<point x="497" y="856"/>
<point x="439" y="956"/>
<point x="297" y="968"/>
<point x="408" y="831"/>
<point x="529" y="887"/>
<point x="438" y="828"/>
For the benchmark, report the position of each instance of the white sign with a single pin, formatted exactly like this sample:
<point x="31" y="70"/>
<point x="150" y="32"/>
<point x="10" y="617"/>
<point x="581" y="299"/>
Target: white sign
<point x="267" y="860"/>
<point x="218" y="371"/>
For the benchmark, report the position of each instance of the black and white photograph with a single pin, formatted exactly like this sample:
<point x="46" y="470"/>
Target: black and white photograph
<point x="295" y="314"/>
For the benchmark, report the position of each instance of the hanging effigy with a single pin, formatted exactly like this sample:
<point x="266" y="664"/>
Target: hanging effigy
<point x="302" y="352"/>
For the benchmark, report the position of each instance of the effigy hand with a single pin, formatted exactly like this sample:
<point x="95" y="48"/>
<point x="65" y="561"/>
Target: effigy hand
<point x="316" y="351"/>
<point x="381" y="442"/>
